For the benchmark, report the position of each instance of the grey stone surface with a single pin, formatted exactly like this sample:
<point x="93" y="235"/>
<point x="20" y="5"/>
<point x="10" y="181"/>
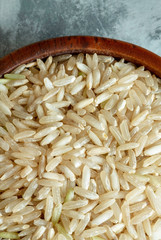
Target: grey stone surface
<point x="26" y="21"/>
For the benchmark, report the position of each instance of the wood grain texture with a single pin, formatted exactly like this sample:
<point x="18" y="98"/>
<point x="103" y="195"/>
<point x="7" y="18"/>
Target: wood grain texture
<point x="85" y="44"/>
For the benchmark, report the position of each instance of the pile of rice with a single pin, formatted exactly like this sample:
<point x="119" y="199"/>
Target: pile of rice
<point x="80" y="150"/>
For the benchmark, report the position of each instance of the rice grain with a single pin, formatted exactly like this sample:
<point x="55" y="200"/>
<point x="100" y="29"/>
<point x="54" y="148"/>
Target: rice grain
<point x="80" y="148"/>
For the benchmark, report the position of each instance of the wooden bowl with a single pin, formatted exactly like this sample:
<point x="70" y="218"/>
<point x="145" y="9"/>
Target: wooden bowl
<point x="85" y="44"/>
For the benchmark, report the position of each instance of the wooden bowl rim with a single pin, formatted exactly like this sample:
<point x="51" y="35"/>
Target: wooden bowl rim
<point x="85" y="44"/>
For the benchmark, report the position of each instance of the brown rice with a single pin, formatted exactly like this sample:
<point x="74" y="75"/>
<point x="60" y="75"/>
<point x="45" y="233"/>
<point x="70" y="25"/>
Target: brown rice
<point x="80" y="150"/>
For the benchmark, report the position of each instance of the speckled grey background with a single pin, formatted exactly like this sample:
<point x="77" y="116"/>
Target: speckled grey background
<point x="26" y="21"/>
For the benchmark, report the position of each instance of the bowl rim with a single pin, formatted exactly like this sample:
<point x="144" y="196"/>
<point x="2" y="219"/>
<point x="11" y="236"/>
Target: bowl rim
<point x="86" y="44"/>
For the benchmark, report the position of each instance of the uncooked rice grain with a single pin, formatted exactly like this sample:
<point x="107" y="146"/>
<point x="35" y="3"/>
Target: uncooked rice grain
<point x="80" y="150"/>
<point x="103" y="217"/>
<point x="93" y="232"/>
